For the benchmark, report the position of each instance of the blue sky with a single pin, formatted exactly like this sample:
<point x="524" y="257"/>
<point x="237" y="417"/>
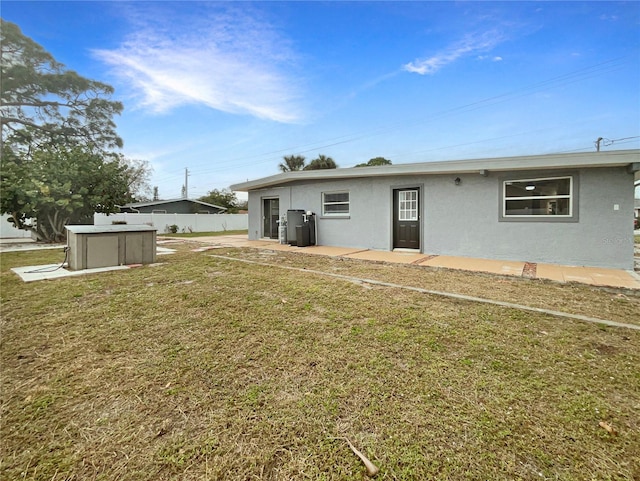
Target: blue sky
<point x="227" y="89"/>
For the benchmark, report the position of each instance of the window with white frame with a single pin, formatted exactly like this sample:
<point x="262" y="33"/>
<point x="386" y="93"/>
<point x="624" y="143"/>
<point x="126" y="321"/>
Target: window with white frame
<point x="544" y="197"/>
<point x="335" y="203"/>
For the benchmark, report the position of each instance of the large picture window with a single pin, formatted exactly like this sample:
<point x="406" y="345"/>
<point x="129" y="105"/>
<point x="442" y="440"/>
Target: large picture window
<point x="550" y="197"/>
<point x="335" y="203"/>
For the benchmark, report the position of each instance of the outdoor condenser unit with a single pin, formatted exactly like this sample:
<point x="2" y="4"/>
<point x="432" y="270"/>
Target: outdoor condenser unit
<point x="295" y="217"/>
<point x="301" y="228"/>
<point x="92" y="246"/>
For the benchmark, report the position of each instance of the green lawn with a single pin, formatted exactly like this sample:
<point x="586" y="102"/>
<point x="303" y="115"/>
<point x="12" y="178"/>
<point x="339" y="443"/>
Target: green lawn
<point x="209" y="368"/>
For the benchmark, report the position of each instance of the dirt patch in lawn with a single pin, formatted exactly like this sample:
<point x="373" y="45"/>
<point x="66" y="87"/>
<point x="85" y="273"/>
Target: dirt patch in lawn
<point x="205" y="368"/>
<point x="620" y="305"/>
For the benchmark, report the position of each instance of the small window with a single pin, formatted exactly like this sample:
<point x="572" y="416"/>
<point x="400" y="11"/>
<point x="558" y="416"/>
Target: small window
<point x="335" y="203"/>
<point x="549" y="197"/>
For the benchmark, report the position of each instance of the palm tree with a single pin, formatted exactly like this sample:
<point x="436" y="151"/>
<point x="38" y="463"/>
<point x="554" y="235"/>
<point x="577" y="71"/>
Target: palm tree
<point x="321" y="162"/>
<point x="292" y="163"/>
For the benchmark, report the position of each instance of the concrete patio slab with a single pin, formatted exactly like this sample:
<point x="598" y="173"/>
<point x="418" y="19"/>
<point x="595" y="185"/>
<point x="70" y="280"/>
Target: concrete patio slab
<point x="328" y="250"/>
<point x="576" y="274"/>
<point x="588" y="275"/>
<point x="265" y="243"/>
<point x="551" y="272"/>
<point x="387" y="256"/>
<point x="602" y="273"/>
<point x="239" y="236"/>
<point x="508" y="268"/>
<point x="274" y="246"/>
<point x="228" y="241"/>
<point x="54" y="271"/>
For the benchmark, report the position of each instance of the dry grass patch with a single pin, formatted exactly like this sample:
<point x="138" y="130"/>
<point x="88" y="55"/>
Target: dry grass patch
<point x="620" y="305"/>
<point x="205" y="368"/>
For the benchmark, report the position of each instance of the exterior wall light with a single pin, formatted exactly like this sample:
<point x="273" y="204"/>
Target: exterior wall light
<point x="457" y="181"/>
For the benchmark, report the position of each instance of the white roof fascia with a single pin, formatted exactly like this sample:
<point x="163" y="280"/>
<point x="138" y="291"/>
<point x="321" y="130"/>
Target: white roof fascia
<point x="474" y="166"/>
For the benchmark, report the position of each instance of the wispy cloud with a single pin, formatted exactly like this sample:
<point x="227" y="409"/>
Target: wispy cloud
<point x="226" y="60"/>
<point x="495" y="58"/>
<point x="470" y="44"/>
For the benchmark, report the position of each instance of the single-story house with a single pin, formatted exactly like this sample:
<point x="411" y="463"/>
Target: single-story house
<point x="173" y="206"/>
<point x="572" y="209"/>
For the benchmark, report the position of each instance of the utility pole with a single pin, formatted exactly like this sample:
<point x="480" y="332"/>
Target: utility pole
<point x="600" y="139"/>
<point x="186" y="183"/>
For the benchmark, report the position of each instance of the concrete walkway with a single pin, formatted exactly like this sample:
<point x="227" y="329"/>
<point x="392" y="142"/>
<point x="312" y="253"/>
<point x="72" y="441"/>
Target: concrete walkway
<point x="586" y="275"/>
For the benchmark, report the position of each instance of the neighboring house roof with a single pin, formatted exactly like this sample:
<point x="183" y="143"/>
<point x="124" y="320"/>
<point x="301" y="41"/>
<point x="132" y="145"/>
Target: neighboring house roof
<point x="137" y="205"/>
<point x="549" y="161"/>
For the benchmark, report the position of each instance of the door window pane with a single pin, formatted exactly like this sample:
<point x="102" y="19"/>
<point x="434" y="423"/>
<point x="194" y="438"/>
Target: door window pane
<point x="408" y="205"/>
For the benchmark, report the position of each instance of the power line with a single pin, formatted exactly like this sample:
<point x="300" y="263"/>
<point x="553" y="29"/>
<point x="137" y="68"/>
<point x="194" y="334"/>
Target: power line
<point x="623" y="140"/>
<point x="608" y="142"/>
<point x="554" y="82"/>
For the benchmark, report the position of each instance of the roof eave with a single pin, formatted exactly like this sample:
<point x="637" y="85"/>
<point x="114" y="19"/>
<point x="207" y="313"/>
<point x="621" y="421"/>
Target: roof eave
<point x="472" y="166"/>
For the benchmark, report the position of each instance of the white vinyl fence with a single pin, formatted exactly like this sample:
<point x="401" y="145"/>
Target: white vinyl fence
<point x="8" y="231"/>
<point x="185" y="222"/>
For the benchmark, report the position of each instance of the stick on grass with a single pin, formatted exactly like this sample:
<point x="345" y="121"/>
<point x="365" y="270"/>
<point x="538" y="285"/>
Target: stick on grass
<point x="372" y="469"/>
